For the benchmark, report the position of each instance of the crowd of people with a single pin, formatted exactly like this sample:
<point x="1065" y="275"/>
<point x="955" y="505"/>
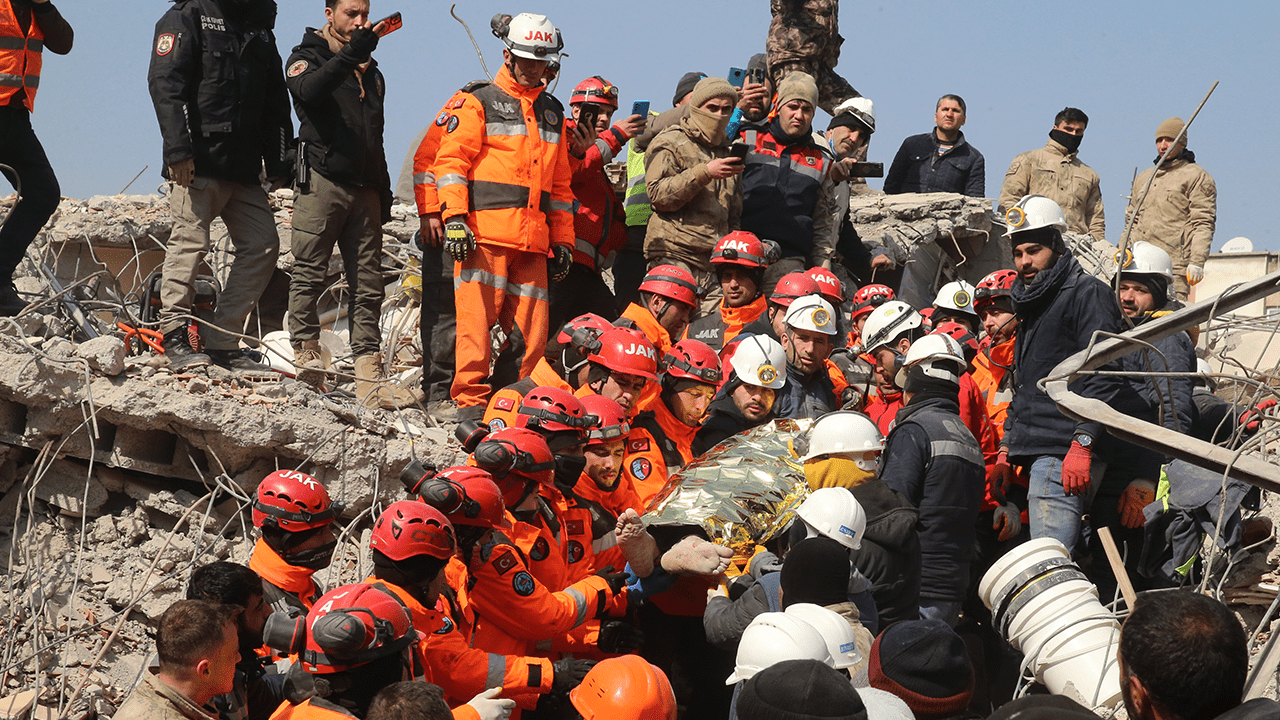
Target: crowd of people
<point x="526" y="580"/>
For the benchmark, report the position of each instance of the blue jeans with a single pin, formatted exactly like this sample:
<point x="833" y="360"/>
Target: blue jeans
<point x="1054" y="513"/>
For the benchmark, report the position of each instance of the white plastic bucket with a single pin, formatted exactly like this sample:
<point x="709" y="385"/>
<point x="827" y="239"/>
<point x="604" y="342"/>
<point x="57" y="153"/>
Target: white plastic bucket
<point x="1084" y="654"/>
<point x="1033" y="619"/>
<point x="1014" y="562"/>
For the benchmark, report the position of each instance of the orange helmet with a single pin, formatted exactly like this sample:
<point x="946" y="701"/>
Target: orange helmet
<point x="994" y="286"/>
<point x="740" y="247"/>
<point x="692" y="360"/>
<point x="626" y="351"/>
<point x="960" y="334"/>
<point x="595" y="89"/>
<point x="870" y="297"/>
<point x="555" y="410"/>
<point x="829" y="286"/>
<point x="408" y="529"/>
<point x="354" y="625"/>
<point x="792" y="286"/>
<point x="293" y="501"/>
<point x="518" y="459"/>
<point x="673" y="283"/>
<point x="467" y="496"/>
<point x="625" y="688"/>
<point x="613" y="419"/>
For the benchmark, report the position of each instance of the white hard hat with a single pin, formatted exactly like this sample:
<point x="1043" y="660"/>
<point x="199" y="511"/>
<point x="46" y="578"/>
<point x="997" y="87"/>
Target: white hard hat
<point x="533" y="37"/>
<point x="760" y="360"/>
<point x="835" y="630"/>
<point x="1033" y="212"/>
<point x="888" y="322"/>
<point x="956" y="295"/>
<point x="861" y="108"/>
<point x="774" y="637"/>
<point x="812" y="313"/>
<point x="844" y="431"/>
<point x="836" y="514"/>
<point x="1144" y="258"/>
<point x="940" y="356"/>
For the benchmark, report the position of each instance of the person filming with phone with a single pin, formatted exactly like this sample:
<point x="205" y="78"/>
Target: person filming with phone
<point x="344" y="192"/>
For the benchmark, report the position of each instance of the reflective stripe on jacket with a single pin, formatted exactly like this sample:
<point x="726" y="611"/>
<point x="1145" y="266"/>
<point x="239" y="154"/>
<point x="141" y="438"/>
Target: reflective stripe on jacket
<point x="21" y="56"/>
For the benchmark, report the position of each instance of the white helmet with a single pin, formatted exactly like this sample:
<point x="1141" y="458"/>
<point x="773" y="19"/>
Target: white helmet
<point x="773" y="637"/>
<point x="835" y="630"/>
<point x="939" y="355"/>
<point x="845" y="431"/>
<point x="1144" y="258"/>
<point x="956" y="295"/>
<point x="812" y="313"/>
<point x="529" y="36"/>
<point x="1033" y="212"/>
<point x="888" y="322"/>
<point x="760" y="360"/>
<point x="836" y="514"/>
<point x="861" y="108"/>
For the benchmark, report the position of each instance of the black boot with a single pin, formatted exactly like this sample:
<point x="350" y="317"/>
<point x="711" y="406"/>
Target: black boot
<point x="177" y="347"/>
<point x="10" y="303"/>
<point x="237" y="359"/>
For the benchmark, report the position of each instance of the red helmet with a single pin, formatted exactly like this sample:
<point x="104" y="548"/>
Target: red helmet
<point x="554" y="410"/>
<point x="293" y="501"/>
<point x="582" y="329"/>
<point x="692" y="360"/>
<point x="961" y="335"/>
<point x="829" y="286"/>
<point x="595" y="89"/>
<point x="996" y="285"/>
<point x="626" y="351"/>
<point x="409" y="529"/>
<point x="625" y="688"/>
<point x="354" y="625"/>
<point x="467" y="496"/>
<point x="613" y="419"/>
<point x="870" y="297"/>
<point x="516" y="457"/>
<point x="740" y="248"/>
<point x="673" y="283"/>
<point x="791" y="286"/>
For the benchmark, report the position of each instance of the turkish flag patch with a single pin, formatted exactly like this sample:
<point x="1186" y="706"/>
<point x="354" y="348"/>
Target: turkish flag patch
<point x="639" y="445"/>
<point x="504" y="562"/>
<point x="576" y="527"/>
<point x="504" y="403"/>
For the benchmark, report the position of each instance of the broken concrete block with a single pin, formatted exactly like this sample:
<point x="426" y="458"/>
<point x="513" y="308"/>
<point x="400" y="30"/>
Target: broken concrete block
<point x="105" y="354"/>
<point x="67" y="485"/>
<point x="16" y="706"/>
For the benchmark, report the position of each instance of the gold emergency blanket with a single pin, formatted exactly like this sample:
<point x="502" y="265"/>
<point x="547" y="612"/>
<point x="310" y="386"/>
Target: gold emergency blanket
<point x="741" y="492"/>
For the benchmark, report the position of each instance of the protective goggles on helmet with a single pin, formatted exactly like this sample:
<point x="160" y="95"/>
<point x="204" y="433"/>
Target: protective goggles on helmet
<point x="986" y="293"/>
<point x="609" y="432"/>
<point x="333" y="511"/>
<point x="584" y="422"/>
<point x="707" y="375"/>
<point x="449" y="498"/>
<point x="500" y="457"/>
<point x="873" y="302"/>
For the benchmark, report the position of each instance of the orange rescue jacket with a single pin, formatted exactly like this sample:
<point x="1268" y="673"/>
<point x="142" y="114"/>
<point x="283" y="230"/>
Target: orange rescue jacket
<point x="21" y="56"/>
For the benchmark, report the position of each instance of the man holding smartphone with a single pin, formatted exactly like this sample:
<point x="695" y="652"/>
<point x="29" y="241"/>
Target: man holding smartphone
<point x="344" y="193"/>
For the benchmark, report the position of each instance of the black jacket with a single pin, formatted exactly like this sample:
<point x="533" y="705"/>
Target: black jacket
<point x="802" y="397"/>
<point x="339" y="116"/>
<point x="782" y="186"/>
<point x="724" y="420"/>
<point x="1058" y="315"/>
<point x="890" y="552"/>
<point x="918" y="168"/>
<point x="932" y="459"/>
<point x="218" y="89"/>
<point x="1255" y="709"/>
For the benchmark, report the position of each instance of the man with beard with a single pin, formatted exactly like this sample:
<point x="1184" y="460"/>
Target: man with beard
<point x="808" y="340"/>
<point x="1055" y="171"/>
<point x="1060" y="307"/>
<point x="940" y="160"/>
<point x="747" y="398"/>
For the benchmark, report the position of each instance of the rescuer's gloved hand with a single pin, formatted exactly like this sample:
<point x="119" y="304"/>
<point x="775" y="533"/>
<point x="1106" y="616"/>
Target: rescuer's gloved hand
<point x="1075" y="469"/>
<point x="558" y="266"/>
<point x="619" y="637"/>
<point x="567" y="674"/>
<point x="1137" y="496"/>
<point x="1253" y="417"/>
<point x="363" y="42"/>
<point x="1000" y="475"/>
<point x="458" y="239"/>
<point x="488" y="707"/>
<point x="1195" y="274"/>
<point x="1008" y="520"/>
<point x="616" y="580"/>
<point x="639" y="588"/>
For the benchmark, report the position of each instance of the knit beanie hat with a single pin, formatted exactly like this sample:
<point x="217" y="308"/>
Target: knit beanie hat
<point x="758" y="62"/>
<point x="925" y="663"/>
<point x="1157" y="284"/>
<point x="712" y="87"/>
<point x="799" y="690"/>
<point x="1041" y="707"/>
<point x="883" y="705"/>
<point x="815" y="571"/>
<point x="685" y="86"/>
<point x="798" y="85"/>
<point x="1170" y="129"/>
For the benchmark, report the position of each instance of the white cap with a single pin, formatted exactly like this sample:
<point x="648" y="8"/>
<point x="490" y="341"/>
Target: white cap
<point x="940" y="356"/>
<point x="835" y="630"/>
<point x="1145" y="258"/>
<point x="760" y="360"/>
<point x="861" y="108"/>
<point x="1033" y="212"/>
<point x="533" y="37"/>
<point x="836" y="514"/>
<point x="956" y="295"/>
<point x="812" y="313"/>
<point x="844" y="431"/>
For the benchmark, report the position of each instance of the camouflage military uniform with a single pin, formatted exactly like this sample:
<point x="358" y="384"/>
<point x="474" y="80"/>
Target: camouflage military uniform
<point x="804" y="36"/>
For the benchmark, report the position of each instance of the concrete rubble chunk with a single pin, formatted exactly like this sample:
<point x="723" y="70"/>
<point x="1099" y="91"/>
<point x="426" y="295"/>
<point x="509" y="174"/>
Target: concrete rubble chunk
<point x="68" y="486"/>
<point x="16" y="706"/>
<point x="105" y="354"/>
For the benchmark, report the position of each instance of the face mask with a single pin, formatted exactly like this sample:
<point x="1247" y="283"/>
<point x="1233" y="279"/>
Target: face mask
<point x="835" y="472"/>
<point x="1066" y="140"/>
<point x="710" y="126"/>
<point x="568" y="469"/>
<point x="316" y="558"/>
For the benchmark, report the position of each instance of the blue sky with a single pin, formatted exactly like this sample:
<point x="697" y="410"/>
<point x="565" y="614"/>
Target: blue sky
<point x="1129" y="65"/>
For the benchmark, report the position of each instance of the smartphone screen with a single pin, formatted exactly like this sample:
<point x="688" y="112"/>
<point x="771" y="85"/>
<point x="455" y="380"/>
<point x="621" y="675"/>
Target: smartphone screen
<point x="390" y="24"/>
<point x="738" y="150"/>
<point x="736" y="76"/>
<point x="587" y="115"/>
<point x="640" y="107"/>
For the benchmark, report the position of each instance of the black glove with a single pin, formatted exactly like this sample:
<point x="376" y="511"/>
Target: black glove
<point x="616" y="580"/>
<point x="567" y="674"/>
<point x="558" y="266"/>
<point x="619" y="637"/>
<point x="458" y="239"/>
<point x="363" y="42"/>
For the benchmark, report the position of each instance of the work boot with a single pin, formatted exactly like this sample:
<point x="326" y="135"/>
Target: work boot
<point x="10" y="302"/>
<point x="308" y="364"/>
<point x="374" y="390"/>
<point x="237" y="360"/>
<point x="178" y="350"/>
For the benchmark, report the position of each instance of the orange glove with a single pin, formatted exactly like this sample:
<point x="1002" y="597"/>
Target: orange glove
<point x="1075" y="469"/>
<point x="1000" y="475"/>
<point x="1137" y="496"/>
<point x="1253" y="417"/>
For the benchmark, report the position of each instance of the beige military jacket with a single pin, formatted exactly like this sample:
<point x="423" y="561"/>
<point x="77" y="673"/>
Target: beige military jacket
<point x="1179" y="213"/>
<point x="1060" y="176"/>
<point x="691" y="212"/>
<point x="152" y="699"/>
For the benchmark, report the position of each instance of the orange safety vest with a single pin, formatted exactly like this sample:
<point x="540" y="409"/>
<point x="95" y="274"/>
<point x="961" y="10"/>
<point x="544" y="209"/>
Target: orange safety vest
<point x="659" y="445"/>
<point x="20" y="56"/>
<point x="288" y="581"/>
<point x="991" y="373"/>
<point x="719" y="328"/>
<point x="502" y="163"/>
<point x="658" y="337"/>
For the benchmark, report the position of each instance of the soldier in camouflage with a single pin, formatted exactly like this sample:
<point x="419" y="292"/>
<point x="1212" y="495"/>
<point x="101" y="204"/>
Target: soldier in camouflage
<point x="804" y="36"/>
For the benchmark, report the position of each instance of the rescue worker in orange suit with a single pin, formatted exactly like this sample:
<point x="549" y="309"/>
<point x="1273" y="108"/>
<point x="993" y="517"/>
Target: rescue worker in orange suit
<point x="668" y="297"/>
<point x="599" y="224"/>
<point x="294" y="515"/>
<point x="515" y="612"/>
<point x="501" y="233"/>
<point x="739" y="261"/>
<point x="622" y="366"/>
<point x="606" y="451"/>
<point x="26" y="28"/>
<point x="412" y="543"/>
